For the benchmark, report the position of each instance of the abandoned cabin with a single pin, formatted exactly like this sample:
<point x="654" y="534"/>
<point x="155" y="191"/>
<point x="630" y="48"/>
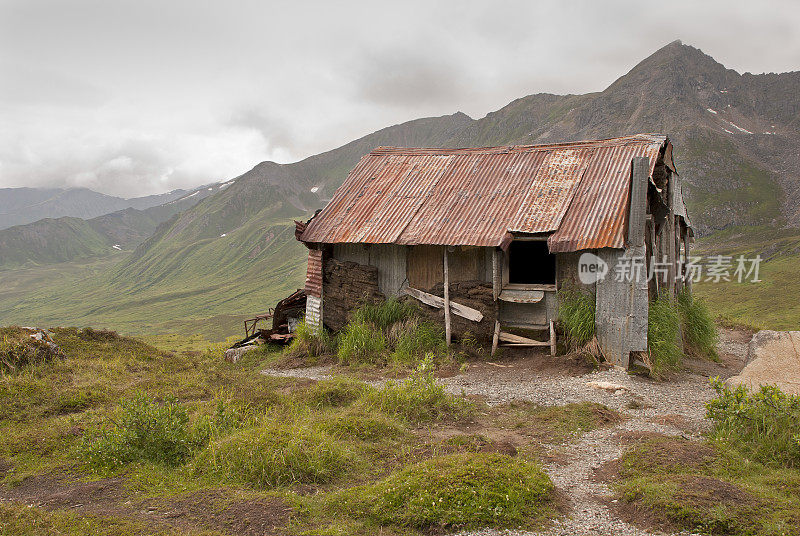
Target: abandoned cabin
<point x="486" y="238"/>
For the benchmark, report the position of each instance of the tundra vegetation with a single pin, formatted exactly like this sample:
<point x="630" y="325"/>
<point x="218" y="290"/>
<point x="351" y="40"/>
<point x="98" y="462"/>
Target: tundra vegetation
<point x="742" y="480"/>
<point x="340" y="456"/>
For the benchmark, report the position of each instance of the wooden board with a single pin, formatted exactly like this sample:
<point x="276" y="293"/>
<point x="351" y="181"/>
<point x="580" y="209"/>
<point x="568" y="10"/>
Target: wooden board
<point x="435" y="301"/>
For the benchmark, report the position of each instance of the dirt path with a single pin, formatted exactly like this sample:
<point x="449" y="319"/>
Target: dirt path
<point x="676" y="407"/>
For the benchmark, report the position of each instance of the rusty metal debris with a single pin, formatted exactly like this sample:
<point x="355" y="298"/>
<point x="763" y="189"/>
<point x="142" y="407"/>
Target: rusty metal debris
<point x="284" y="317"/>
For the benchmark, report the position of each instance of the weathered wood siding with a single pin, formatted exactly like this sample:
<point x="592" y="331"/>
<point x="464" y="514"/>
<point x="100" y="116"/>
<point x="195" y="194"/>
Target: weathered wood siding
<point x="389" y="259"/>
<point x="424" y="266"/>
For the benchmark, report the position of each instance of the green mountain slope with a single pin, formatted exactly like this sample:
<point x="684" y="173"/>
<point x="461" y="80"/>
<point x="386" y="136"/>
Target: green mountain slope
<point x="234" y="252"/>
<point x="58" y="240"/>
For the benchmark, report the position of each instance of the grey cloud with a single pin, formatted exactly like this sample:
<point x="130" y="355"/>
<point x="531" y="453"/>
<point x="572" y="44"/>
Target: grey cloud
<point x="408" y="79"/>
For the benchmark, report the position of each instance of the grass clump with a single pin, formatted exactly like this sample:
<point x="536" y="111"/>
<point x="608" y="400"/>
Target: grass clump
<point x="663" y="329"/>
<point x="412" y="338"/>
<point x="310" y="342"/>
<point x="418" y="398"/>
<point x="391" y="332"/>
<point x="697" y="326"/>
<point x="274" y="454"/>
<point x="335" y="392"/>
<point x="356" y="423"/>
<point x="765" y="424"/>
<point x="361" y="343"/>
<point x="576" y="312"/>
<point x="465" y="490"/>
<point x="145" y="430"/>
<point x="385" y="314"/>
<point x="557" y="423"/>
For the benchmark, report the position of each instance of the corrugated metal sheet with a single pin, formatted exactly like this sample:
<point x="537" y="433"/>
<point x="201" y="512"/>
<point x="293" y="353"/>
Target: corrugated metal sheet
<point x="476" y="196"/>
<point x="314" y="273"/>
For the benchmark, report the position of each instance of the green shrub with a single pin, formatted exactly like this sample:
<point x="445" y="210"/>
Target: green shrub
<point x="274" y="454"/>
<point x="697" y="326"/>
<point x="466" y="490"/>
<point x="383" y="315"/>
<point x="310" y="342"/>
<point x="418" y="398"/>
<point x="663" y="329"/>
<point x="335" y="392"/>
<point x="361" y="343"/>
<point x="413" y="338"/>
<point x="576" y="312"/>
<point x="145" y="430"/>
<point x="764" y="423"/>
<point x="358" y="424"/>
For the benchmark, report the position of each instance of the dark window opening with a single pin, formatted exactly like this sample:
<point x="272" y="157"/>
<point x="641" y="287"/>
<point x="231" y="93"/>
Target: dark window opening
<point x="531" y="263"/>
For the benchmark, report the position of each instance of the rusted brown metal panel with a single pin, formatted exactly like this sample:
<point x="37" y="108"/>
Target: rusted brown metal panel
<point x="475" y="197"/>
<point x="314" y="273"/>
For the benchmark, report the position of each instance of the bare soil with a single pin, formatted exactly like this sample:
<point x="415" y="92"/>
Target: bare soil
<point x="209" y="509"/>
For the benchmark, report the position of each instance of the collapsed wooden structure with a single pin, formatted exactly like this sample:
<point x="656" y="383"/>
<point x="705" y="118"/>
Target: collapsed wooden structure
<point x="486" y="238"/>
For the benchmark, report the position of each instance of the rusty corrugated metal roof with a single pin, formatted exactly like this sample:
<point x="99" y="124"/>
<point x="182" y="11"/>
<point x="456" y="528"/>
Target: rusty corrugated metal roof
<point x="577" y="191"/>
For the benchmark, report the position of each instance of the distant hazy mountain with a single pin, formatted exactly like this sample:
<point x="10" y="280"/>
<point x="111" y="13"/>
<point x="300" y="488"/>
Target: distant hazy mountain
<point x="55" y="240"/>
<point x="25" y="205"/>
<point x="736" y="139"/>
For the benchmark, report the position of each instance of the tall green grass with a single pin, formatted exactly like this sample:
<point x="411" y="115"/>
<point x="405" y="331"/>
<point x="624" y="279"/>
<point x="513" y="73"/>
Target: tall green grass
<point x="391" y="332"/>
<point x="361" y="343"/>
<point x="576" y="313"/>
<point x="310" y="342"/>
<point x="384" y="314"/>
<point x="697" y="326"/>
<point x="418" y="398"/>
<point x="663" y="330"/>
<point x="145" y="430"/>
<point x="764" y="424"/>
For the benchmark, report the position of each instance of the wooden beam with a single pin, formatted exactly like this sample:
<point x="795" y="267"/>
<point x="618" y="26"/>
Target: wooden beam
<point x="526" y="344"/>
<point x="447" y="333"/>
<point x="510" y="337"/>
<point x="552" y="339"/>
<point x="435" y="301"/>
<point x="496" y="337"/>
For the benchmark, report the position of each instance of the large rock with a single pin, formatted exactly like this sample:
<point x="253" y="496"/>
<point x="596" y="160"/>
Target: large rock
<point x="773" y="358"/>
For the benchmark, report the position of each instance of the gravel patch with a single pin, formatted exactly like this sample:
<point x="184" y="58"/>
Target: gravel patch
<point x="311" y="373"/>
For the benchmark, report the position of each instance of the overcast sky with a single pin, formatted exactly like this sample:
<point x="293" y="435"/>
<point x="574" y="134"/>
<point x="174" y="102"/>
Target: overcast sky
<point x="140" y="97"/>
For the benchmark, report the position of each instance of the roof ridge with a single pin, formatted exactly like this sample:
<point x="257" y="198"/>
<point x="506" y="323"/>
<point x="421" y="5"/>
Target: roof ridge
<point x="500" y="149"/>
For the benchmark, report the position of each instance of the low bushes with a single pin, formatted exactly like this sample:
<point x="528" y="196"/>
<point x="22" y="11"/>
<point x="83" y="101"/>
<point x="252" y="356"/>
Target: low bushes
<point x="145" y="430"/>
<point x="274" y="454"/>
<point x="466" y="490"/>
<point x="418" y="398"/>
<point x="764" y="424"/>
